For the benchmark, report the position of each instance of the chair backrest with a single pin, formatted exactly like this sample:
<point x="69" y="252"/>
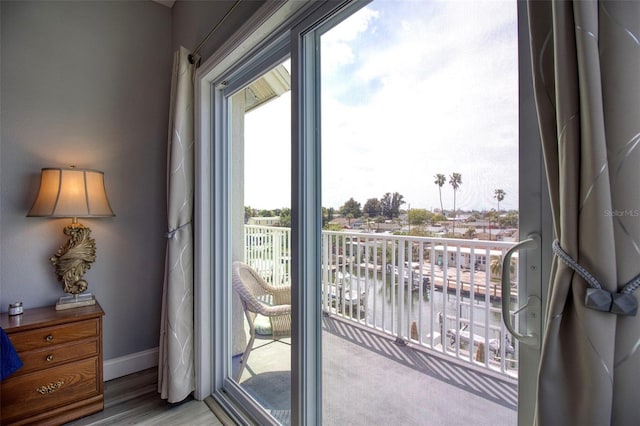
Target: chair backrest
<point x="247" y="283"/>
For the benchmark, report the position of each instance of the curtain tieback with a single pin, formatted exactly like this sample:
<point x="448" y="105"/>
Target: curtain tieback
<point x="172" y="232"/>
<point x="622" y="303"/>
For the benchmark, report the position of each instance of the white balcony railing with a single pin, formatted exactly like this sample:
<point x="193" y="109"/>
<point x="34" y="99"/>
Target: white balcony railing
<point x="267" y="250"/>
<point x="442" y="294"/>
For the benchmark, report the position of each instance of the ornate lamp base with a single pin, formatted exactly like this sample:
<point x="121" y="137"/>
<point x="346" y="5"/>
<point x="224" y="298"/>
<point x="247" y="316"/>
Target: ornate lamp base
<point x="75" y="301"/>
<point x="71" y="261"/>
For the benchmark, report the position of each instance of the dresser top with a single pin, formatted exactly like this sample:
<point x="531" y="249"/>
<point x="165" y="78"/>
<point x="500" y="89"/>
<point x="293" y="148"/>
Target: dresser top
<point x="33" y="318"/>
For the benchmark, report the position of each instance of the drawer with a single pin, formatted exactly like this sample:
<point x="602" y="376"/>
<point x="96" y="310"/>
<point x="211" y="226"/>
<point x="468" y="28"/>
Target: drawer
<point x="49" y="357"/>
<point x="37" y="392"/>
<point x="55" y="335"/>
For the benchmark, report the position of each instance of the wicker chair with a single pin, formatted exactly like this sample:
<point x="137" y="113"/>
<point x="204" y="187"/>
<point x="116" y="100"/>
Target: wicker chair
<point x="259" y="297"/>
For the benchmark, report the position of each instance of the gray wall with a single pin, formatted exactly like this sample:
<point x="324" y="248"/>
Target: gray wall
<point x="87" y="83"/>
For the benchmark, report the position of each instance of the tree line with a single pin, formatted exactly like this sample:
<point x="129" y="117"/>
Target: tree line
<point x="388" y="207"/>
<point x="284" y="214"/>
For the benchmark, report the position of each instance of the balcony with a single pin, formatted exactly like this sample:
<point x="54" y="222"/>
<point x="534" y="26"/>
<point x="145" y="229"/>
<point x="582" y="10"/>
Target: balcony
<point x="412" y="328"/>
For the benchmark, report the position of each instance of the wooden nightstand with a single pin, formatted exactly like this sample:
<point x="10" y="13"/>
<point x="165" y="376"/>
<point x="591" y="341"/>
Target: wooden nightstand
<point x="61" y="379"/>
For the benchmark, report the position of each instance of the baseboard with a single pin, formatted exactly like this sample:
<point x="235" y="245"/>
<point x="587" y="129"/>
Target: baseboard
<point x="129" y="364"/>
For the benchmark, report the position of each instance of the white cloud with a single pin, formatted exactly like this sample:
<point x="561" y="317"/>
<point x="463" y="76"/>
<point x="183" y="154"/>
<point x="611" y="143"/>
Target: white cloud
<point x="339" y="38"/>
<point x="410" y="89"/>
<point x="439" y="95"/>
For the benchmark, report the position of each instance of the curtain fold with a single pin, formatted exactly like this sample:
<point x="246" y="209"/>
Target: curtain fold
<point x="176" y="375"/>
<point x="586" y="66"/>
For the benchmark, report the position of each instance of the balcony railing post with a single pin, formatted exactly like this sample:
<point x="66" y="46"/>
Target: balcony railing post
<point x="400" y="289"/>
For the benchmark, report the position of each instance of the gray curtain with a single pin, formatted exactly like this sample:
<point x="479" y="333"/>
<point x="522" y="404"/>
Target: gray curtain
<point x="176" y="376"/>
<point x="586" y="65"/>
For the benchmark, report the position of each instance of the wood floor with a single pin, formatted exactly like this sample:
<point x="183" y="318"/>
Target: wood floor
<point x="134" y="400"/>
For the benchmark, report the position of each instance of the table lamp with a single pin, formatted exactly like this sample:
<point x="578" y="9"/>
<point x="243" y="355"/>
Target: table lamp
<point x="72" y="193"/>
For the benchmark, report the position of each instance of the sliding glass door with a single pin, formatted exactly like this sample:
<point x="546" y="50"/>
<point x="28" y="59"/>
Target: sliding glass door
<point x="259" y="122"/>
<point x="369" y="176"/>
<point x="420" y="187"/>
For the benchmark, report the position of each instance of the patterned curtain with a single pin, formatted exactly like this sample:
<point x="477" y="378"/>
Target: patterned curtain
<point x="586" y="65"/>
<point x="176" y="376"/>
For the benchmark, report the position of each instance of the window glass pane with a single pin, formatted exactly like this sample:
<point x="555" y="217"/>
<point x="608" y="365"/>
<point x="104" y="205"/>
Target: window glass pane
<point x="420" y="203"/>
<point x="259" y="130"/>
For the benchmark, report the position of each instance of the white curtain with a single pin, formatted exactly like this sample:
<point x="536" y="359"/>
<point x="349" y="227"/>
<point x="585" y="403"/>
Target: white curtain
<point x="176" y="376"/>
<point x="586" y="65"/>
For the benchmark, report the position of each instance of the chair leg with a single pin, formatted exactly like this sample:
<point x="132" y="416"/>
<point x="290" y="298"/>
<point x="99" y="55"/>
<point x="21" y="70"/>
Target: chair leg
<point x="245" y="354"/>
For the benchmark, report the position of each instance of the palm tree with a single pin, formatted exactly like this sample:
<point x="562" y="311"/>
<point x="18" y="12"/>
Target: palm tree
<point x="440" y="181"/>
<point x="349" y="217"/>
<point x="492" y="217"/>
<point x="495" y="267"/>
<point x="499" y="195"/>
<point x="455" y="180"/>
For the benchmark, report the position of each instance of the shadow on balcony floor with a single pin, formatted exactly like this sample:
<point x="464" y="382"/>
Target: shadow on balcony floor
<point x="454" y="373"/>
<point x="369" y="380"/>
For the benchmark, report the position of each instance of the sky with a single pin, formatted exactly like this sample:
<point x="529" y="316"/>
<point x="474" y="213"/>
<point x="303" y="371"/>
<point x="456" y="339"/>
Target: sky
<point x="409" y="89"/>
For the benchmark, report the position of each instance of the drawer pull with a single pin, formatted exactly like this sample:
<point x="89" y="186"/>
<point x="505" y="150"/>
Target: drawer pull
<point x="49" y="358"/>
<point x="50" y="388"/>
<point x="49" y="338"/>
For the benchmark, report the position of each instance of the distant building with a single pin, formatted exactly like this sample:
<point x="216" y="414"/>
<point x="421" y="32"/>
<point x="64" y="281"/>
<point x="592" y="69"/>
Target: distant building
<point x="264" y="221"/>
<point x="464" y="257"/>
<point x="340" y="221"/>
<point x="387" y="227"/>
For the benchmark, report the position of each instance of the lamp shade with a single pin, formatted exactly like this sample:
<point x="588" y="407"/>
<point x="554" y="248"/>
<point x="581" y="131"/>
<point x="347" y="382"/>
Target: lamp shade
<point x="71" y="192"/>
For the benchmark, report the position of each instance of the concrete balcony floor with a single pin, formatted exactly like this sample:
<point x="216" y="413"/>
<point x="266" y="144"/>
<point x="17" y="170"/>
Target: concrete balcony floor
<point x="369" y="380"/>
